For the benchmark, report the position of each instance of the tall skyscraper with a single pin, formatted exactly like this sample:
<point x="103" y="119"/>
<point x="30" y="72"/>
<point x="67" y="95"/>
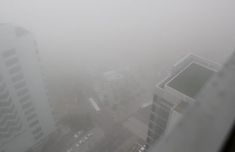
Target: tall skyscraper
<point x="25" y="113"/>
<point x="177" y="92"/>
<point x="208" y="125"/>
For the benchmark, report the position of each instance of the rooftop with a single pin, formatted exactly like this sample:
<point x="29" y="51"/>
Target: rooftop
<point x="191" y="79"/>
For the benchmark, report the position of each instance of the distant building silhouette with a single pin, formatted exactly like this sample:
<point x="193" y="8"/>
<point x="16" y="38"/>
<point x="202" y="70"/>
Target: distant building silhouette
<point x="177" y="92"/>
<point x="25" y="113"/>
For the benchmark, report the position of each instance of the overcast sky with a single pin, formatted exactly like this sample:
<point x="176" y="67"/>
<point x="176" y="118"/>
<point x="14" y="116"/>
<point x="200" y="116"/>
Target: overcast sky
<point x="72" y="32"/>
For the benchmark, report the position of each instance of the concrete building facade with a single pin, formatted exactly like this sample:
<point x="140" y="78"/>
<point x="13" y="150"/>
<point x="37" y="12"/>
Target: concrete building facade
<point x="177" y="92"/>
<point x="25" y="112"/>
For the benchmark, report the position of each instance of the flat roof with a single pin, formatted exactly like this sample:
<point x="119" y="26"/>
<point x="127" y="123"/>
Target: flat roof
<point x="191" y="80"/>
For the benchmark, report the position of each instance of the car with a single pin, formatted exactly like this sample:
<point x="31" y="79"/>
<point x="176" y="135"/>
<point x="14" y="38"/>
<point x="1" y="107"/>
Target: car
<point x="80" y="132"/>
<point x="86" y="137"/>
<point x="69" y="150"/>
<point x="90" y="134"/>
<point x="142" y="148"/>
<point x="80" y="141"/>
<point x="75" y="135"/>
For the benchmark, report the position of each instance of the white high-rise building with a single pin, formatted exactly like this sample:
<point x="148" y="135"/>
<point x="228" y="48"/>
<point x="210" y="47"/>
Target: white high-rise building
<point x="176" y="93"/>
<point x="207" y="126"/>
<point x="25" y="113"/>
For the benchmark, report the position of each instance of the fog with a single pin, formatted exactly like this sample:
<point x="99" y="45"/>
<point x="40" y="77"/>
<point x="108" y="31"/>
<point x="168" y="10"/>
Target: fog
<point x="102" y="61"/>
<point x="77" y="33"/>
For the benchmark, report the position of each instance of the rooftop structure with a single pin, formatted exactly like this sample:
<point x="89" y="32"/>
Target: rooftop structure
<point x="177" y="92"/>
<point x="191" y="79"/>
<point x="208" y="125"/>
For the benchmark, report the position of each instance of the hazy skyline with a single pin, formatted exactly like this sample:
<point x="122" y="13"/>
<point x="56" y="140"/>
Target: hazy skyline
<point x="112" y="74"/>
<point x="80" y="32"/>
